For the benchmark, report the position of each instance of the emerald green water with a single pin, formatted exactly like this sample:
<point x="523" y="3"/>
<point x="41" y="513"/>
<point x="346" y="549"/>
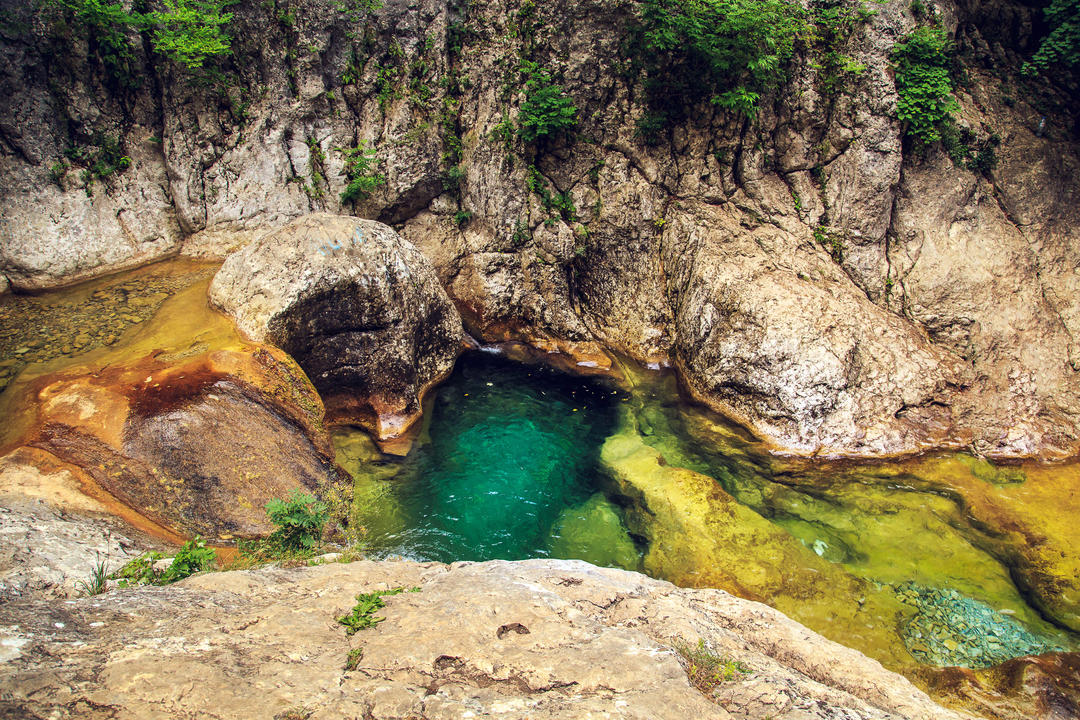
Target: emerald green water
<point x="505" y="467"/>
<point x="947" y="560"/>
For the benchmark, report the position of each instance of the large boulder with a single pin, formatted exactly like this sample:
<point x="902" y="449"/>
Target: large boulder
<point x="359" y="308"/>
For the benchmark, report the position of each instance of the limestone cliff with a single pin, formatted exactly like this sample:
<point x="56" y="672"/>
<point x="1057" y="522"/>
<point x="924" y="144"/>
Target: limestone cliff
<point x="803" y="271"/>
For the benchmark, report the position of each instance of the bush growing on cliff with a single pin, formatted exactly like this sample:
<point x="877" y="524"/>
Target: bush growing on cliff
<point x="299" y="520"/>
<point x="727" y="52"/>
<point x="547" y="109"/>
<point x="360" y="172"/>
<point x="922" y="62"/>
<point x="1061" y="47"/>
<point x="186" y="31"/>
<point x="190" y="31"/>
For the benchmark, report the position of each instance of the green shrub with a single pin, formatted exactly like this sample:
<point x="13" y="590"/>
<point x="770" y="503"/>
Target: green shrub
<point x="190" y="31"/>
<point x="139" y="571"/>
<point x="360" y="172"/>
<point x="186" y="31"/>
<point x="924" y="85"/>
<point x="299" y="520"/>
<point x="1061" y="47"/>
<point x="193" y="557"/>
<point x="547" y="109"/>
<point x="727" y="52"/>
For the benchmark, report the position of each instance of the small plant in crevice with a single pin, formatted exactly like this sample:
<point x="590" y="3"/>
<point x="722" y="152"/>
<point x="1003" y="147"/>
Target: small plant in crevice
<point x="968" y="151"/>
<point x="832" y="241"/>
<point x="360" y="173"/>
<point x="362" y="615"/>
<point x="99" y="160"/>
<point x="706" y="670"/>
<point x="98" y="582"/>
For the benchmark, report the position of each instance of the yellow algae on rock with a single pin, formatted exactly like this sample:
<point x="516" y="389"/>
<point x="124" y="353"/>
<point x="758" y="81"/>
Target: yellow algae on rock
<point x="700" y="536"/>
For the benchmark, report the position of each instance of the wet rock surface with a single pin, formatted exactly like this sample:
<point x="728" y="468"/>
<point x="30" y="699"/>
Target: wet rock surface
<point x="40" y="328"/>
<point x="360" y="309"/>
<point x="198" y="446"/>
<point x="533" y="639"/>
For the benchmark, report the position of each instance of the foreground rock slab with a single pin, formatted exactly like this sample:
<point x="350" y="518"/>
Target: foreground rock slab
<point x="533" y="639"/>
<point x="359" y="308"/>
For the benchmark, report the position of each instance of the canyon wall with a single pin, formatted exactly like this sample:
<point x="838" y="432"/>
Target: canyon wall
<point x="806" y="270"/>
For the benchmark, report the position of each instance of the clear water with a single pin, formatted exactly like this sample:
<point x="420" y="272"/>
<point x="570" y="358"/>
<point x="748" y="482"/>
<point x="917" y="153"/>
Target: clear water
<point x="517" y="461"/>
<point x="506" y="467"/>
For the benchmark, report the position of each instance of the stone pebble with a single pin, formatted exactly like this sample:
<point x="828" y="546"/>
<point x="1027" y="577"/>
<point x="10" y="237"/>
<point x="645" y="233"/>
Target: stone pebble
<point x="951" y="629"/>
<point x="40" y="328"/>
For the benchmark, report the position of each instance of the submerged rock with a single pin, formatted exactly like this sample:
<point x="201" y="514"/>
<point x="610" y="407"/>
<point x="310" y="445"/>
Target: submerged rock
<point x="533" y="639"/>
<point x="359" y="308"/>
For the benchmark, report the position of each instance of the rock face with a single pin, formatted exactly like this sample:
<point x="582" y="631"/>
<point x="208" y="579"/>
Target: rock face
<point x="51" y="534"/>
<point x="533" y="639"/>
<point x="803" y="271"/>
<point x="359" y="308"/>
<point x="195" y="446"/>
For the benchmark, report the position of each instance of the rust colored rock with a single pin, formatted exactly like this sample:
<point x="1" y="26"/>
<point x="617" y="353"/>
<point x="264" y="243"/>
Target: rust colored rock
<point x="197" y="446"/>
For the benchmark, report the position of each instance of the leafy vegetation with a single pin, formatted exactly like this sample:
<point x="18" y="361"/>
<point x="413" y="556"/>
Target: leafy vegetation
<point x="922" y="62"/>
<point x="186" y="31"/>
<point x="547" y="109"/>
<point x="191" y="558"/>
<point x="362" y="616"/>
<point x="1061" y="47"/>
<point x="299" y="521"/>
<point x="834" y="23"/>
<point x="706" y="670"/>
<point x="190" y="31"/>
<point x="360" y="173"/>
<point x="98" y="160"/>
<point x="726" y="52"/>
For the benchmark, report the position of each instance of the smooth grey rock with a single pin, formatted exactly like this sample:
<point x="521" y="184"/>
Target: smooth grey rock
<point x="516" y="640"/>
<point x="359" y="308"/>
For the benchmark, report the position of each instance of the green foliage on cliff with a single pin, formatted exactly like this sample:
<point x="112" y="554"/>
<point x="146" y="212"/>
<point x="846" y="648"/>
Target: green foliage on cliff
<point x="547" y="109"/>
<point x="1061" y="47"/>
<point x="922" y="62"/>
<point x="189" y="31"/>
<point x="360" y="172"/>
<point x="727" y="52"/>
<point x="299" y="521"/>
<point x="186" y="31"/>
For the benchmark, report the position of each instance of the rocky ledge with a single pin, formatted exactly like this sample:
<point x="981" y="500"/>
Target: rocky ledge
<point x="531" y="639"/>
